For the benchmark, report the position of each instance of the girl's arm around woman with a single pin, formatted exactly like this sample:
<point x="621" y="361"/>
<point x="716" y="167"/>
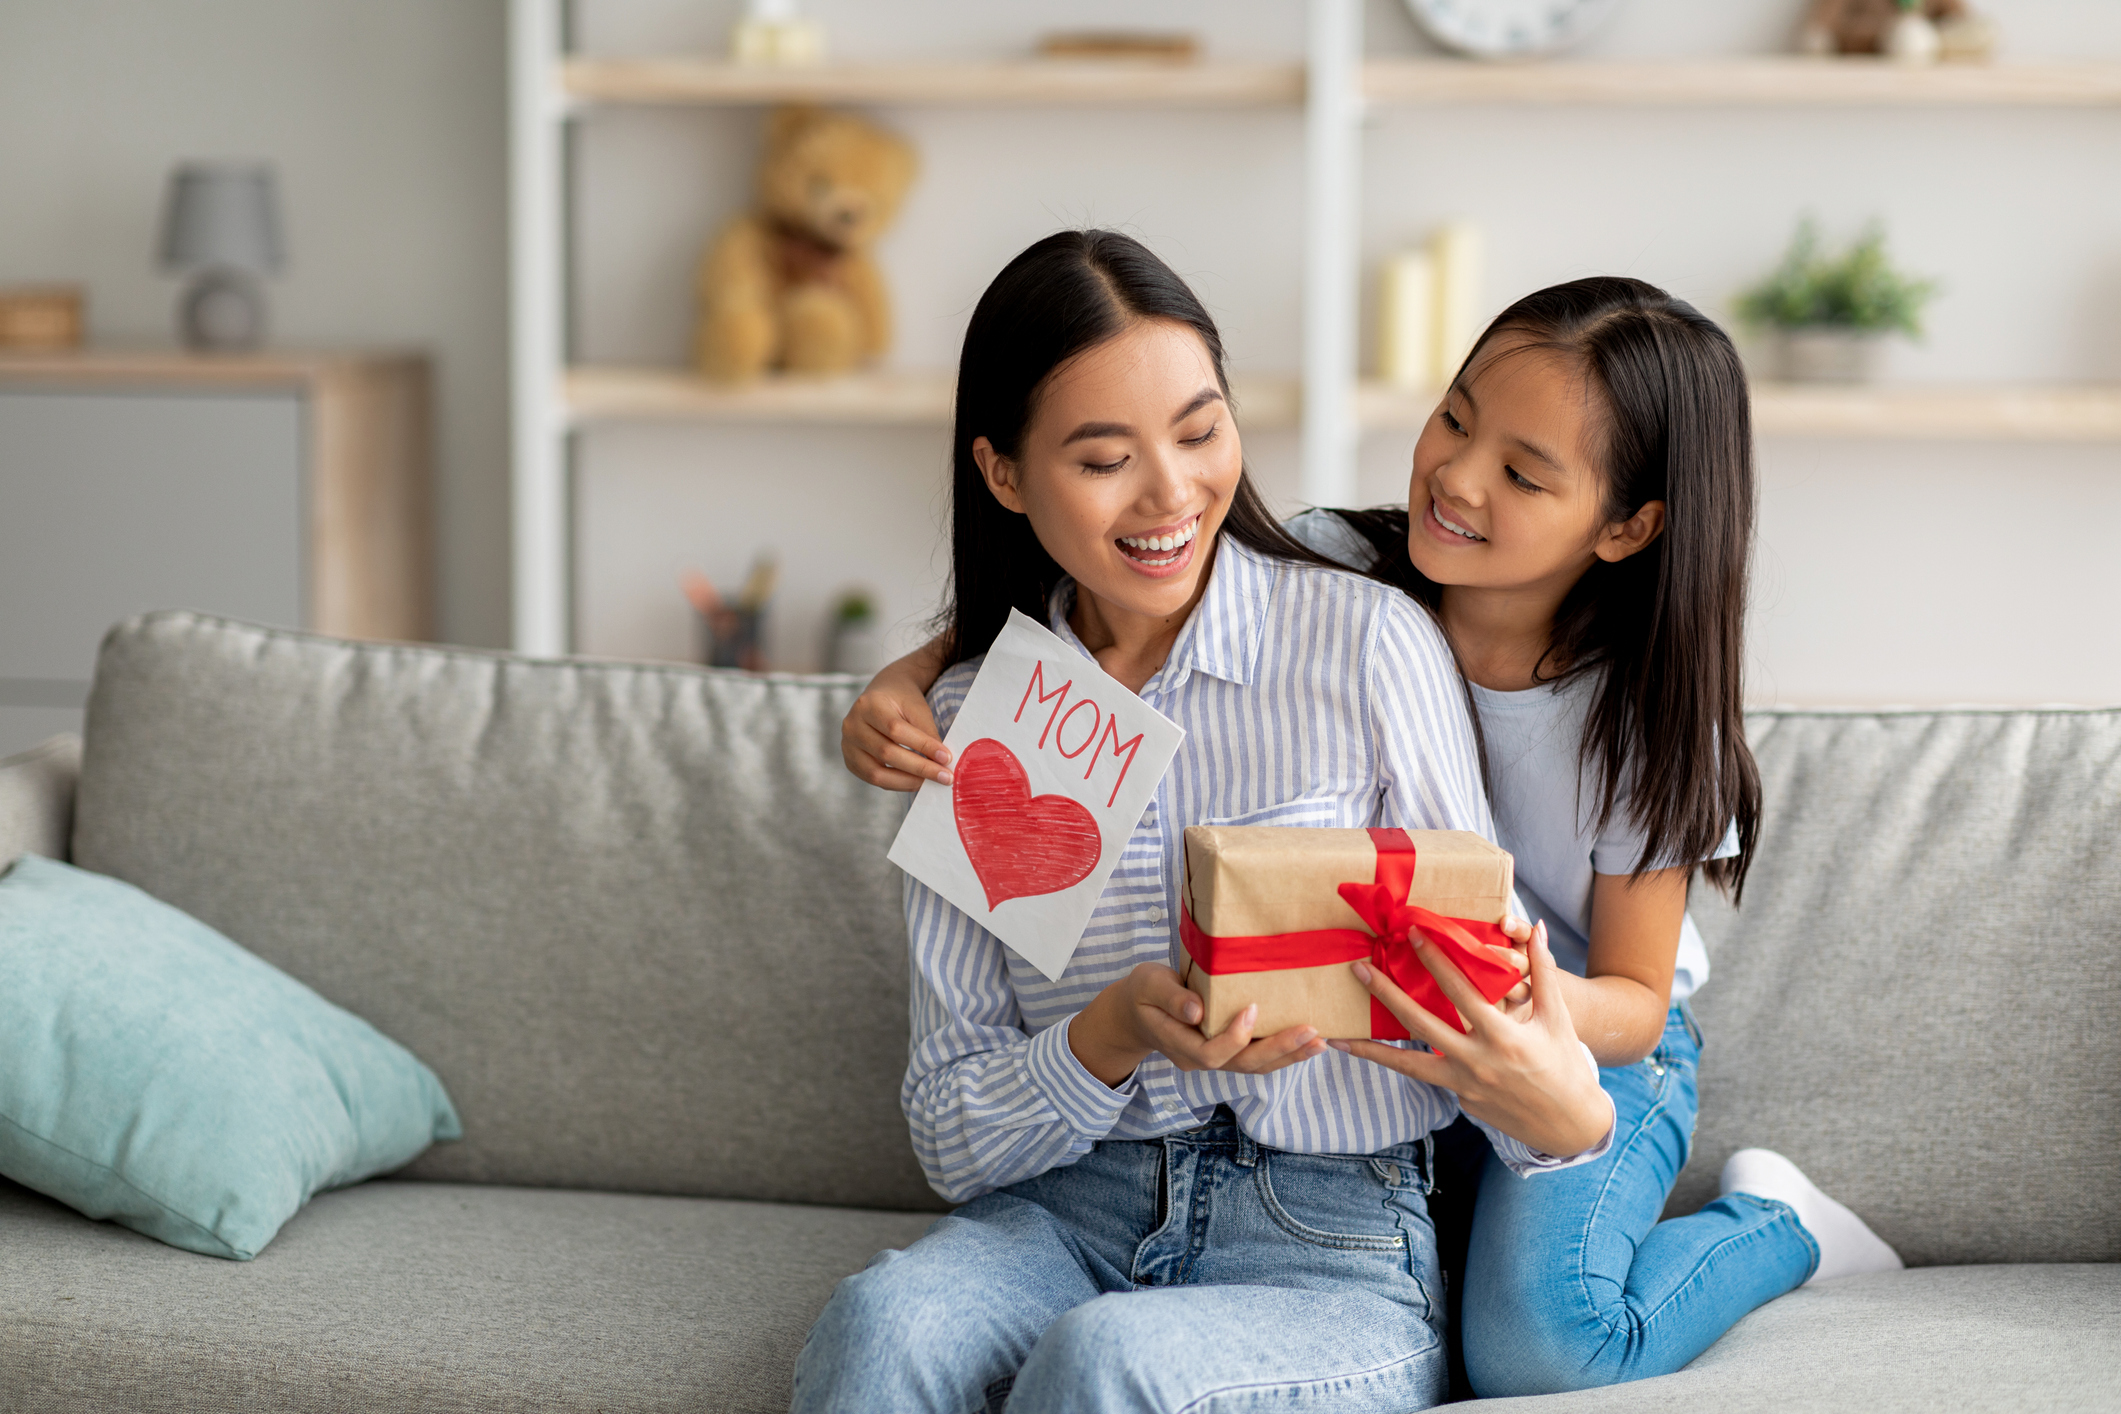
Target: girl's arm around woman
<point x="1521" y="1076"/>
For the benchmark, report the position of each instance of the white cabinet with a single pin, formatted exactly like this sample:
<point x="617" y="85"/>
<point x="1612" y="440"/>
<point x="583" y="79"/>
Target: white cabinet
<point x="280" y="491"/>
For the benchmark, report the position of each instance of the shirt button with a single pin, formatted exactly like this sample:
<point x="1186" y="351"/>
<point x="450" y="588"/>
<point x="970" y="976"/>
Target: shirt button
<point x="1156" y="914"/>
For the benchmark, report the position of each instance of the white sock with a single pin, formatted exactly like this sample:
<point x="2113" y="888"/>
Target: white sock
<point x="1846" y="1247"/>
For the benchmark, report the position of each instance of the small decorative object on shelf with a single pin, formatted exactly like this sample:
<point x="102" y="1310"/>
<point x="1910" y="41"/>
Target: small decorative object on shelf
<point x="1456" y="249"/>
<point x="1406" y="321"/>
<point x="854" y="641"/>
<point x="1909" y="31"/>
<point x="223" y="222"/>
<point x="771" y="33"/>
<point x="1428" y="308"/>
<point x="1510" y="29"/>
<point x="42" y="317"/>
<point x="1912" y="39"/>
<point x="1833" y="314"/>
<point x="1132" y="46"/>
<point x="791" y="285"/>
<point x="732" y="635"/>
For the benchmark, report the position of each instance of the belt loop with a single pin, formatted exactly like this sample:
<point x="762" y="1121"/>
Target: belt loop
<point x="1686" y="1014"/>
<point x="1428" y="1164"/>
<point x="1247" y="1150"/>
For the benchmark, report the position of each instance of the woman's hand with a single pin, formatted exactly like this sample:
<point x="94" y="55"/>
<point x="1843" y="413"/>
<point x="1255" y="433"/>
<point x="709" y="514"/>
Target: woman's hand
<point x="1524" y="1072"/>
<point x="1151" y="1011"/>
<point x="888" y="738"/>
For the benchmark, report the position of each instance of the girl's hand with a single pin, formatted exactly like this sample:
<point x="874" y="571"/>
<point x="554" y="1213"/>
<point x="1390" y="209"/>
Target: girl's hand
<point x="1151" y="1011"/>
<point x="888" y="738"/>
<point x="1524" y="1073"/>
<point x="1519" y="956"/>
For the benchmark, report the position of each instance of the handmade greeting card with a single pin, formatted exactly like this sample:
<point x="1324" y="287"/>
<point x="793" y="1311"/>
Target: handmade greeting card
<point x="1053" y="763"/>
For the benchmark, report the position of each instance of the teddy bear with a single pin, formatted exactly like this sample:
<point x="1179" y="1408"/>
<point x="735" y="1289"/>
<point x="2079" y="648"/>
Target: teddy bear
<point x="1860" y="26"/>
<point x="790" y="285"/>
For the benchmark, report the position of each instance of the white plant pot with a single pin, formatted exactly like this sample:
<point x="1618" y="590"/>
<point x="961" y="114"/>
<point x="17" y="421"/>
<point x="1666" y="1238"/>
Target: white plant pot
<point x="1831" y="355"/>
<point x="1912" y="39"/>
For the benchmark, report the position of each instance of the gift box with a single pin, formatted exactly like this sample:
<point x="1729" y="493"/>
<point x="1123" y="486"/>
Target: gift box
<point x="1274" y="915"/>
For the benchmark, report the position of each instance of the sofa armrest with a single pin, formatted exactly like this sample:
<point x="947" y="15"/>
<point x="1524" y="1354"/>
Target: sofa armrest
<point x="37" y="800"/>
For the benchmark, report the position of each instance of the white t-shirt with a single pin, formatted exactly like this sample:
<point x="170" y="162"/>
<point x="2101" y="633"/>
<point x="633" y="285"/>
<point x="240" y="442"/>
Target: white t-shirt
<point x="1533" y="739"/>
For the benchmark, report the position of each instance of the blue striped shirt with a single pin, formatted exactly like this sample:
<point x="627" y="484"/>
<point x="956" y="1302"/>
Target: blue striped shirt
<point x="1308" y="697"/>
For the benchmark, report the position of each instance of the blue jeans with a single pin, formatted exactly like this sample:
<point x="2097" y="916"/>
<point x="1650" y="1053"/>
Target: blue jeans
<point x="1198" y="1272"/>
<point x="1571" y="1282"/>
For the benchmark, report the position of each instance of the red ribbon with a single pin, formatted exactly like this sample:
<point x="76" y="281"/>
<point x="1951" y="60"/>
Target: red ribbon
<point x="1388" y="946"/>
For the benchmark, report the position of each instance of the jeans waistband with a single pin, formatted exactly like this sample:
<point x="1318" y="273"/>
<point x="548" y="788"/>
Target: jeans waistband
<point x="1222" y="1133"/>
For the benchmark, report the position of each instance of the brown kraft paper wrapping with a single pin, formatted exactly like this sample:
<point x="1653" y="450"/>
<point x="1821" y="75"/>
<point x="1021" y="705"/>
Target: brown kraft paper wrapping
<point x="1257" y="880"/>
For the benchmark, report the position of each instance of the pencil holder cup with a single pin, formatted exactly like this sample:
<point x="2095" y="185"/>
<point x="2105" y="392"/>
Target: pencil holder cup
<point x="730" y="638"/>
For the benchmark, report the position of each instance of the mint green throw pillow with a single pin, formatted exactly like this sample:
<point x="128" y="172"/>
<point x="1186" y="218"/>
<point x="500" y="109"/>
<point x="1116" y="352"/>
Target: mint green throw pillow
<point x="154" y="1073"/>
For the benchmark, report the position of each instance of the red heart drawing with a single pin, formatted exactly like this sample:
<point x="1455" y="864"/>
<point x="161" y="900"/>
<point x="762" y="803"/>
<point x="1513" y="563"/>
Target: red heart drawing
<point x="1020" y="845"/>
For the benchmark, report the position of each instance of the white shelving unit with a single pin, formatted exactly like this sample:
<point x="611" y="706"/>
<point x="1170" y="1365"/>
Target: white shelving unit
<point x="1328" y="94"/>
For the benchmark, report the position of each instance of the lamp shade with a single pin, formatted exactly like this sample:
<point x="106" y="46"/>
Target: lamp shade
<point x="222" y="216"/>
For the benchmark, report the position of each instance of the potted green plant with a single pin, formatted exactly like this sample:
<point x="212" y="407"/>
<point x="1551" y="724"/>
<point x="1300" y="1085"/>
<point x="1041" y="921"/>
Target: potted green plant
<point x="854" y="639"/>
<point x="1833" y="313"/>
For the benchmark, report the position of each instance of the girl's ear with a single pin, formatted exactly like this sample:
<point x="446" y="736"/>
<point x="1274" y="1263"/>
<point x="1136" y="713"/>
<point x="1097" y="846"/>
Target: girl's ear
<point x="1624" y="538"/>
<point x="1000" y="474"/>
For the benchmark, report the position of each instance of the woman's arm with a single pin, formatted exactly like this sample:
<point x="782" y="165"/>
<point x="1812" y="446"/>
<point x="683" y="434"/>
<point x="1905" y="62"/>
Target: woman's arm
<point x="889" y="738"/>
<point x="989" y="1104"/>
<point x="1620" y="1006"/>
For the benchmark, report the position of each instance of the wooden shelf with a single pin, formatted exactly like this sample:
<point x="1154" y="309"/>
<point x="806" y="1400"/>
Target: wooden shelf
<point x="910" y="398"/>
<point x="1949" y="412"/>
<point x="1023" y="83"/>
<point x="654" y="394"/>
<point x="1769" y="80"/>
<point x="1777" y="81"/>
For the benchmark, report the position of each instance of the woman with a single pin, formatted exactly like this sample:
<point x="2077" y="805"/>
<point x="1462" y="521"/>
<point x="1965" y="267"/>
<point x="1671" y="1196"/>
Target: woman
<point x="1155" y="1219"/>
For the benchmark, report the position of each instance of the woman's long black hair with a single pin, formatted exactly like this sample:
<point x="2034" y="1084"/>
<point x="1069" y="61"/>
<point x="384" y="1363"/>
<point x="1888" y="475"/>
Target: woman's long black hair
<point x="1065" y="295"/>
<point x="1663" y="631"/>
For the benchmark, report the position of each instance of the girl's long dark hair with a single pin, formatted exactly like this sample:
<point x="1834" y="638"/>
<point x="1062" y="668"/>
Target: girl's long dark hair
<point x="1067" y="294"/>
<point x="1662" y="631"/>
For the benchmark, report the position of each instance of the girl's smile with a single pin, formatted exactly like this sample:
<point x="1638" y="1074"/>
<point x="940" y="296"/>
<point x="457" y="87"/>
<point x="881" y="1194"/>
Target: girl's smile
<point x="1447" y="529"/>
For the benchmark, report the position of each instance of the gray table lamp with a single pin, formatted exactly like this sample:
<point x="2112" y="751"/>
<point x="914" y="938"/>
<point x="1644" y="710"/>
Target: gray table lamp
<point x="222" y="222"/>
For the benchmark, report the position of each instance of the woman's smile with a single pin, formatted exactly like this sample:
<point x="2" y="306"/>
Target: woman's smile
<point x="1161" y="551"/>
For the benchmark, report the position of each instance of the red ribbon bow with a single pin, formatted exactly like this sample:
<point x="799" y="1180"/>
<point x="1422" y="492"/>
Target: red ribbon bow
<point x="1388" y="945"/>
<point x="1393" y="921"/>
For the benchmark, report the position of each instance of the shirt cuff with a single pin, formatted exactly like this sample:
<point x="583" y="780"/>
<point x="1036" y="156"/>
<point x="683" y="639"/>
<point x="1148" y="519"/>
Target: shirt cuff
<point x="1085" y="1104"/>
<point x="1524" y="1160"/>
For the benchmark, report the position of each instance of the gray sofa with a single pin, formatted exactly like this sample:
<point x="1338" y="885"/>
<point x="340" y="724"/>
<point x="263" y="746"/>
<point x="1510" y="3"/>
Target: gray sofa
<point x="640" y="922"/>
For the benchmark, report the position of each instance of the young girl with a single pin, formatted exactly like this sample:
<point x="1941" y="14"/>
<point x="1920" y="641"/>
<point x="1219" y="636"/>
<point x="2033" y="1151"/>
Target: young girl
<point x="1154" y="1219"/>
<point x="1579" y="521"/>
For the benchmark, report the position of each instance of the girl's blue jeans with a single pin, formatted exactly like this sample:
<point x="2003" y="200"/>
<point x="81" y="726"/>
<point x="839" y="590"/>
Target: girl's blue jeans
<point x="1572" y="1282"/>
<point x="1198" y="1272"/>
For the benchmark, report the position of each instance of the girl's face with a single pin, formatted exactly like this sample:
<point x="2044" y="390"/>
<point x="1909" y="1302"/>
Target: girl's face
<point x="1506" y="494"/>
<point x="1127" y="468"/>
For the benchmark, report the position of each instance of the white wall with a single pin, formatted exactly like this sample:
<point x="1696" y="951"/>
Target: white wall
<point x="387" y="120"/>
<point x="1888" y="572"/>
<point x="1901" y="572"/>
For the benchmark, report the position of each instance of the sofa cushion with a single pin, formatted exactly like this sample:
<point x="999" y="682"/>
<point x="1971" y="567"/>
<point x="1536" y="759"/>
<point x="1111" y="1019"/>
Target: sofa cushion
<point x="638" y="919"/>
<point x="155" y="1073"/>
<point x="2007" y="1339"/>
<point x="1916" y="1001"/>
<point x="429" y="1299"/>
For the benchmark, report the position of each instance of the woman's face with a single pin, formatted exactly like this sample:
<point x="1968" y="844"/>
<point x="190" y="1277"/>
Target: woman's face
<point x="1505" y="492"/>
<point x="1127" y="468"/>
